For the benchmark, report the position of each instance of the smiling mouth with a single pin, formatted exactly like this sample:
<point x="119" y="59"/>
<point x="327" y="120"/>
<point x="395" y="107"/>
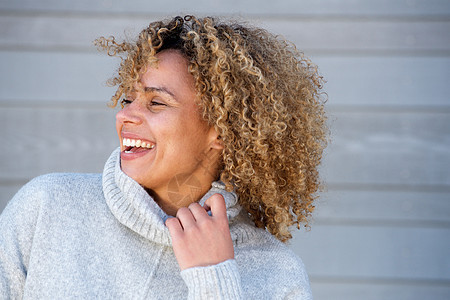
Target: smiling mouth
<point x="133" y="146"/>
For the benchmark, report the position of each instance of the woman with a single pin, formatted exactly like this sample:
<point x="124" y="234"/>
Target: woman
<point x="221" y="131"/>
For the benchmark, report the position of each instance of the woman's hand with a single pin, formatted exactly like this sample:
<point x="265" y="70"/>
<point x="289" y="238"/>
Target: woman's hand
<point x="199" y="239"/>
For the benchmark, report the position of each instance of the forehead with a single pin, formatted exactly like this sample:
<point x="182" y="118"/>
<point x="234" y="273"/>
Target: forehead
<point x="169" y="62"/>
<point x="168" y="72"/>
<point x="167" y="77"/>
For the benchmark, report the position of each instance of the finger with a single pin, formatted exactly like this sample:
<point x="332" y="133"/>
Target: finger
<point x="217" y="205"/>
<point x="184" y="215"/>
<point x="198" y="211"/>
<point x="174" y="226"/>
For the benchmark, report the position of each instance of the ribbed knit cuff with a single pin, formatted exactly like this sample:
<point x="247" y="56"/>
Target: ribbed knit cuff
<point x="221" y="281"/>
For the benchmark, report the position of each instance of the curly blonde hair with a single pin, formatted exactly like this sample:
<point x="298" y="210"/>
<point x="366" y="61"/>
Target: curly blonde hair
<point x="264" y="99"/>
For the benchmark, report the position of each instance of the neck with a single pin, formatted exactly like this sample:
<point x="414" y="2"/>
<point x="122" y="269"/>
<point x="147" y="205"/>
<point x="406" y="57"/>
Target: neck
<point x="181" y="191"/>
<point x="185" y="189"/>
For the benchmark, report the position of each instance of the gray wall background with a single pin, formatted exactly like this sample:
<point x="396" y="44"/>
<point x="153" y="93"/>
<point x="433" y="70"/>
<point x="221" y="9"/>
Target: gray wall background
<point x="382" y="227"/>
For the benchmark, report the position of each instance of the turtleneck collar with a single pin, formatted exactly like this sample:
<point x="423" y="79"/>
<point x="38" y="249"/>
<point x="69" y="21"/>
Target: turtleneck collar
<point x="137" y="210"/>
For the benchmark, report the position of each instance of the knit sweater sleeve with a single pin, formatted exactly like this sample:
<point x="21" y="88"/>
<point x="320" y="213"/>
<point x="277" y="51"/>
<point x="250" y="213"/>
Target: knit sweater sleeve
<point x="17" y="226"/>
<point x="221" y="281"/>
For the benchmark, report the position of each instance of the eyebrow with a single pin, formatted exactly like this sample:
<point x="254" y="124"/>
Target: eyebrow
<point x="162" y="90"/>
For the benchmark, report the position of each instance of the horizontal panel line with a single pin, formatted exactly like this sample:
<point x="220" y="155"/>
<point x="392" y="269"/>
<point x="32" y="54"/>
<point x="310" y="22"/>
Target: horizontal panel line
<point x="380" y="223"/>
<point x="151" y="15"/>
<point x="87" y="14"/>
<point x="383" y="108"/>
<point x="7" y="182"/>
<point x="336" y="52"/>
<point x="357" y="18"/>
<point x="385" y="187"/>
<point x="361" y="53"/>
<point x="381" y="281"/>
<point x="43" y="104"/>
<point x="330" y="108"/>
<point x="89" y="48"/>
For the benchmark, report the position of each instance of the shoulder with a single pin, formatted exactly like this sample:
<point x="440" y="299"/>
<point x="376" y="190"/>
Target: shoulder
<point x="58" y="181"/>
<point x="49" y="198"/>
<point x="52" y="184"/>
<point x="265" y="261"/>
<point x="52" y="188"/>
<point x="270" y="251"/>
<point x="39" y="208"/>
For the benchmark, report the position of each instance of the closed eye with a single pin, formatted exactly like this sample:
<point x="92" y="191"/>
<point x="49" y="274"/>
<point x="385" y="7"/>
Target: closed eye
<point x="156" y="103"/>
<point x="125" y="102"/>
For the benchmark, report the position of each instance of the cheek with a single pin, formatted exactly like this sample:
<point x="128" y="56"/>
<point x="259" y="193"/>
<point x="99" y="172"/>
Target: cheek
<point x="118" y="126"/>
<point x="194" y="121"/>
<point x="181" y="137"/>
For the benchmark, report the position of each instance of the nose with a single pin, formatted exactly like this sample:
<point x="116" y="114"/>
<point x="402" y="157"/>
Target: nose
<point x="130" y="114"/>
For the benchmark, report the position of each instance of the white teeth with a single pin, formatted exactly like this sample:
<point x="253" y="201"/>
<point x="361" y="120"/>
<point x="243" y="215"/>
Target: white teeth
<point x="137" y="143"/>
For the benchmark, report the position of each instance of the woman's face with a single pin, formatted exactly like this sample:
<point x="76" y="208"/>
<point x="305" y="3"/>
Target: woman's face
<point x="162" y="134"/>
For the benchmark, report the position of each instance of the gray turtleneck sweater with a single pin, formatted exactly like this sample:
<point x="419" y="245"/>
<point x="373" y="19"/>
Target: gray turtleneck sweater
<point x="89" y="236"/>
